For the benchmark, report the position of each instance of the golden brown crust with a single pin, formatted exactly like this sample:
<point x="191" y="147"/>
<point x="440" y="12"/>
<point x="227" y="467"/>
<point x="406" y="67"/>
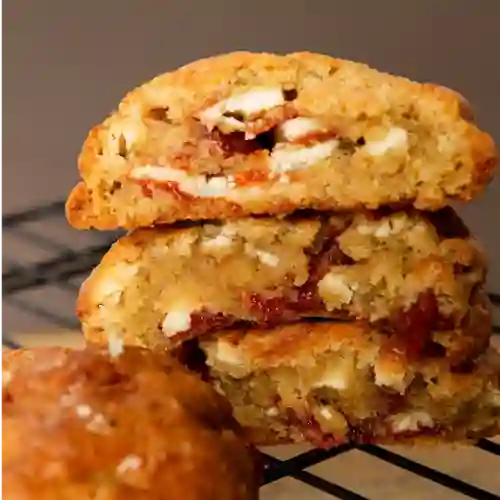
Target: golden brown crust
<point x="86" y="425"/>
<point x="79" y="208"/>
<point x="300" y="344"/>
<point x="158" y="124"/>
<point x="336" y="383"/>
<point x="415" y="277"/>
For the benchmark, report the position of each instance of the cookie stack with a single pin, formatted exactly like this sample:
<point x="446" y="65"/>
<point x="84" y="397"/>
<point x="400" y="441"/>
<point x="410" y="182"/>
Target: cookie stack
<point x="292" y="242"/>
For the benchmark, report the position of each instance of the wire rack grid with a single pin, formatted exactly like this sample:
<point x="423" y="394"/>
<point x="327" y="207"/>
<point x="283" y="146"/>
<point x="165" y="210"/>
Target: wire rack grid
<point x="44" y="262"/>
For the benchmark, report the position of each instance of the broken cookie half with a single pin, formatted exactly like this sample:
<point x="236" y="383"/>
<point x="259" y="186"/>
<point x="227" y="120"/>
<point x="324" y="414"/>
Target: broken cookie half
<point x="331" y="383"/>
<point x="417" y="278"/>
<point x="246" y="133"/>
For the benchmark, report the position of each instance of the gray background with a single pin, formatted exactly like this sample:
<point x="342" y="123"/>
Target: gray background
<point x="68" y="63"/>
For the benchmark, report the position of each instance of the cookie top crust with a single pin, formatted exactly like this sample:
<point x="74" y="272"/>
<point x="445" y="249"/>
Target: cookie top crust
<point x="88" y="424"/>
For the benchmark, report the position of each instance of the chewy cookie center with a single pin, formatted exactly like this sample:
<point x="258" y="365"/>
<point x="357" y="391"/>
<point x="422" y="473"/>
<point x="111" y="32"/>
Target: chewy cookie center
<point x="256" y="140"/>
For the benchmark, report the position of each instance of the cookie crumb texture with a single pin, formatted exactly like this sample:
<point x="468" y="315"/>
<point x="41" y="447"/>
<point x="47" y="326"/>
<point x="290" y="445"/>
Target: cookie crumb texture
<point x="84" y="425"/>
<point x="416" y="277"/>
<point x="244" y="133"/>
<point x="336" y="383"/>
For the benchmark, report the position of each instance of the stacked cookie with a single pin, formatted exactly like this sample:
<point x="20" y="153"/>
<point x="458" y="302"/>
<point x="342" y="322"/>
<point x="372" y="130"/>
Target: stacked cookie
<point x="292" y="242"/>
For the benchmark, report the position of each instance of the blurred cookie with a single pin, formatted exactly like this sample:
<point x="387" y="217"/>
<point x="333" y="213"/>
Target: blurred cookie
<point x="246" y="133"/>
<point x="130" y="425"/>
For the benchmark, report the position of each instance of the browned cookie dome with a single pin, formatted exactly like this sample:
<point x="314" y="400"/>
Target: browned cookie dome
<point x="89" y="425"/>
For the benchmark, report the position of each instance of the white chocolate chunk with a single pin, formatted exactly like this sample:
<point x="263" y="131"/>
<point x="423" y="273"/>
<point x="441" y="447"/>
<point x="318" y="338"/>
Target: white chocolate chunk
<point x="175" y="322"/>
<point x="267" y="258"/>
<point x="272" y="411"/>
<point x="230" y="123"/>
<point x="247" y="104"/>
<point x="223" y="241"/>
<point x="255" y="101"/>
<point x="397" y="379"/>
<point x="339" y="375"/>
<point x="384" y="228"/>
<point x="115" y="345"/>
<point x="326" y="413"/>
<point x="83" y="411"/>
<point x="330" y="420"/>
<point x="296" y="128"/>
<point x="6" y="377"/>
<point x="411" y="421"/>
<point x="215" y="186"/>
<point x="195" y="185"/>
<point x="389" y="228"/>
<point x="226" y="354"/>
<point x="286" y="159"/>
<point x="98" y="424"/>
<point x="334" y="286"/>
<point x="219" y="242"/>
<point x="395" y="138"/>
<point x="130" y="462"/>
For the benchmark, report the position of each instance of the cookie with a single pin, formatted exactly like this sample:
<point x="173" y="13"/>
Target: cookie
<point x="127" y="425"/>
<point x="417" y="277"/>
<point x="246" y="133"/>
<point x="334" y="383"/>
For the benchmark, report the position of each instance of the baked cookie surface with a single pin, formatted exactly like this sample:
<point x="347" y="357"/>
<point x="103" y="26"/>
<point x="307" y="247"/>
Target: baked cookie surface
<point x="129" y="425"/>
<point x="246" y="133"/>
<point x="417" y="277"/>
<point x="332" y="383"/>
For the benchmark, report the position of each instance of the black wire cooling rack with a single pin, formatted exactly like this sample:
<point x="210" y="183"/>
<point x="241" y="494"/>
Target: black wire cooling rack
<point x="44" y="262"/>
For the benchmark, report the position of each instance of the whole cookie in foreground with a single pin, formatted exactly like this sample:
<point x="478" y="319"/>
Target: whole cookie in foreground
<point x="416" y="277"/>
<point x="86" y="425"/>
<point x="336" y="383"/>
<point x="247" y="133"/>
